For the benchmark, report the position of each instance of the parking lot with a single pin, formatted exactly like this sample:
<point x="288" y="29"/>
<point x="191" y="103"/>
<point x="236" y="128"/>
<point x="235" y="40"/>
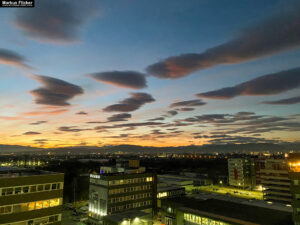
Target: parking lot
<point x="226" y="191"/>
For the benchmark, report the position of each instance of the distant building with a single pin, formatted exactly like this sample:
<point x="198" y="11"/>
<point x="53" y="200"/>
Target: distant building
<point x="191" y="211"/>
<point x="241" y="172"/>
<point x="30" y="197"/>
<point x="124" y="194"/>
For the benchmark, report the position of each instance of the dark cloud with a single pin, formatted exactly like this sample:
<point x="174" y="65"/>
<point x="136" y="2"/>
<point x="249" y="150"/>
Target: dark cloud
<point x="81" y="113"/>
<point x="130" y="104"/>
<point x="274" y="35"/>
<point x="55" y="91"/>
<point x="157" y="119"/>
<point x="126" y="79"/>
<point x="9" y="57"/>
<point x="119" y="117"/>
<point x="286" y="101"/>
<point x="55" y="21"/>
<point x="38" y="122"/>
<point x="227" y="139"/>
<point x="157" y="132"/>
<point x="269" y="84"/>
<point x="196" y="102"/>
<point x="186" y="109"/>
<point x="129" y="125"/>
<point x="172" y="113"/>
<point x="31" y="133"/>
<point x="71" y="129"/>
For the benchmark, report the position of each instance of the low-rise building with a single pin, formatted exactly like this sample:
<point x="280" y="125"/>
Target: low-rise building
<point x="191" y="211"/>
<point x="29" y="197"/>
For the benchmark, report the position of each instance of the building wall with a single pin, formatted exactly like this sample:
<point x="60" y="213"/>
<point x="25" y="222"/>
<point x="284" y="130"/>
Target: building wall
<point x="276" y="182"/>
<point x="24" y="198"/>
<point x="241" y="172"/>
<point x="110" y="194"/>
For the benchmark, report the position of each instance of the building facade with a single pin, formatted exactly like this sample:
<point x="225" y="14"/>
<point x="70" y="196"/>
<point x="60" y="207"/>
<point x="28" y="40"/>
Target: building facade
<point x="275" y="181"/>
<point x="29" y="197"/>
<point x="128" y="192"/>
<point x="241" y="172"/>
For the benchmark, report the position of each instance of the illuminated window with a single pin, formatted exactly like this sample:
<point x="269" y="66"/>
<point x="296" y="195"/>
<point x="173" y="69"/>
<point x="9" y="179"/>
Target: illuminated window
<point x="46" y="204"/>
<point x="39" y="205"/>
<point x="149" y="179"/>
<point x="54" y="202"/>
<point x="31" y="206"/>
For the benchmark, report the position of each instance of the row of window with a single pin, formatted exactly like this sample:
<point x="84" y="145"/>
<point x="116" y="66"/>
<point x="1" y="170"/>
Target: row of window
<point x="40" y="221"/>
<point x="129" y="206"/>
<point x="202" y="220"/>
<point x="129" y="189"/>
<point x="30" y="189"/>
<point x="170" y="193"/>
<point x="131" y="181"/>
<point x="29" y="206"/>
<point x="129" y="197"/>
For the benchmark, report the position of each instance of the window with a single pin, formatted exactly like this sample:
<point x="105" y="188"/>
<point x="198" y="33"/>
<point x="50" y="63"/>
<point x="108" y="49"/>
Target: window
<point x="9" y="191"/>
<point x="18" y="190"/>
<point x="5" y="209"/>
<point x="54" y="186"/>
<point x="32" y="188"/>
<point x="47" y="187"/>
<point x="39" y="205"/>
<point x="40" y="187"/>
<point x="54" y="202"/>
<point x="296" y="182"/>
<point x="25" y="189"/>
<point x="31" y="206"/>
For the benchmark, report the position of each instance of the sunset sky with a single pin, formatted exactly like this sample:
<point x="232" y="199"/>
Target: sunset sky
<point x="153" y="73"/>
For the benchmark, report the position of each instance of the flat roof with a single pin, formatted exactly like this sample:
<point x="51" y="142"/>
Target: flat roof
<point x="6" y="172"/>
<point x="249" y="213"/>
<point x="130" y="215"/>
<point x="169" y="188"/>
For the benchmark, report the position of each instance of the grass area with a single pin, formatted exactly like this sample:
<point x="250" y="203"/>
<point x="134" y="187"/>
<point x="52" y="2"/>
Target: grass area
<point x="227" y="191"/>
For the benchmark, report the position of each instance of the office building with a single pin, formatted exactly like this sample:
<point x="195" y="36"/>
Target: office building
<point x="294" y="175"/>
<point x="241" y="172"/>
<point x="275" y="181"/>
<point x="117" y="197"/>
<point x="30" y="197"/>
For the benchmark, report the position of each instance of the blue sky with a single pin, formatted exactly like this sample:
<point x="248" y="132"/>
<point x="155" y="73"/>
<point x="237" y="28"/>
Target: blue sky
<point x="63" y="40"/>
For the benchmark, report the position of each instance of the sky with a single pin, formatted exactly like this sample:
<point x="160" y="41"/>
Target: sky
<point x="151" y="73"/>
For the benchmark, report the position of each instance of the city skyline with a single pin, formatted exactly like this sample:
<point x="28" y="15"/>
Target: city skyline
<point x="150" y="73"/>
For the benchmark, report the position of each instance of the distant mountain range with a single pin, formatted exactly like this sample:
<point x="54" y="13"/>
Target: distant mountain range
<point x="135" y="149"/>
